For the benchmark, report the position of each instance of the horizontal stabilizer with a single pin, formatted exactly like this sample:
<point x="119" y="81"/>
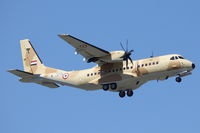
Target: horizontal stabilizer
<point x="20" y="73"/>
<point x="33" y="78"/>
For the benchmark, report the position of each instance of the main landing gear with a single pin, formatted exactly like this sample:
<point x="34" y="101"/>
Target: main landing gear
<point x="178" y="79"/>
<point x="122" y="94"/>
<point x="112" y="86"/>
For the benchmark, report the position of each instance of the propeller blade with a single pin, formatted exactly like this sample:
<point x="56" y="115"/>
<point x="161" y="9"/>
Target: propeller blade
<point x="131" y="51"/>
<point x="130" y="59"/>
<point x="122" y="46"/>
<point x="127" y="53"/>
<point x="127" y="45"/>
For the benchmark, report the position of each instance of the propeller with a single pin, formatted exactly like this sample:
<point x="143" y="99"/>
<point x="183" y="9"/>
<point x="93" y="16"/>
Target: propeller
<point x="127" y="53"/>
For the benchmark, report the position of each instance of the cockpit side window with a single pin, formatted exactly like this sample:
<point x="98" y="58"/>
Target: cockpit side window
<point x="172" y="58"/>
<point x="176" y="57"/>
<point x="180" y="57"/>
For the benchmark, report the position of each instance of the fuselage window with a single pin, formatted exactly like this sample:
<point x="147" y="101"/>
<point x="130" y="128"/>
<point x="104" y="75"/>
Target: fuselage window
<point x="127" y="67"/>
<point x="109" y="71"/>
<point x="157" y="62"/>
<point x="138" y="66"/>
<point x="91" y="74"/>
<point x="131" y="67"/>
<point x="149" y="63"/>
<point x="113" y="70"/>
<point x="117" y="70"/>
<point x="145" y="64"/>
<point x="98" y="72"/>
<point x="153" y="63"/>
<point x="142" y="65"/>
<point x="95" y="73"/>
<point x="88" y="75"/>
<point x="120" y="69"/>
<point x="124" y="68"/>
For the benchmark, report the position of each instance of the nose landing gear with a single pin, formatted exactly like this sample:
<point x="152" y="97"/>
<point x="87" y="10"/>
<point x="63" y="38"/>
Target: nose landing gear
<point x="178" y="79"/>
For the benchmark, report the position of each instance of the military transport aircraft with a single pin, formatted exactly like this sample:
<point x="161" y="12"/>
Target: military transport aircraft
<point x="115" y="71"/>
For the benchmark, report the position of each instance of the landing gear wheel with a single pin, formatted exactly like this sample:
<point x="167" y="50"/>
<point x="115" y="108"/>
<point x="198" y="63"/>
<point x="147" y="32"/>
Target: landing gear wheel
<point x="122" y="94"/>
<point x="178" y="79"/>
<point x="113" y="86"/>
<point x="105" y="87"/>
<point x="129" y="93"/>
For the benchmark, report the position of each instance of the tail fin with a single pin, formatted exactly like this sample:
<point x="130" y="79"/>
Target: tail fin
<point x="31" y="61"/>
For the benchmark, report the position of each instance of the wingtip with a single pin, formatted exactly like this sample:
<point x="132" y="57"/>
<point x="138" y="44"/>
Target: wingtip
<point x="11" y="70"/>
<point x="60" y="35"/>
<point x="8" y="70"/>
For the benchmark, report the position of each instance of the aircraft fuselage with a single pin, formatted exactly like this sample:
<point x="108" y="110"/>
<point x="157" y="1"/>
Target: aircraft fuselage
<point x="126" y="77"/>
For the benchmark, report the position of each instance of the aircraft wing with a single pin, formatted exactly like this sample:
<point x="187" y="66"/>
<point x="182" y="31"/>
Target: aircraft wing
<point x="90" y="52"/>
<point x="29" y="77"/>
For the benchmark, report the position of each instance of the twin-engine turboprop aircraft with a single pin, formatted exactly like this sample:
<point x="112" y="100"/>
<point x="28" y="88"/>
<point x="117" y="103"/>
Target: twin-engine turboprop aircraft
<point x="115" y="71"/>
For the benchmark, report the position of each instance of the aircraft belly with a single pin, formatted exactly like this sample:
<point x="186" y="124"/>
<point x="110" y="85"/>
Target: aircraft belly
<point x="123" y="84"/>
<point x="110" y="79"/>
<point x="163" y="74"/>
<point x="89" y="87"/>
<point x="127" y="84"/>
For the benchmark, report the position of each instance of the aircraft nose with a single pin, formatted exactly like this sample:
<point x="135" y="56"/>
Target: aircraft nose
<point x="193" y="65"/>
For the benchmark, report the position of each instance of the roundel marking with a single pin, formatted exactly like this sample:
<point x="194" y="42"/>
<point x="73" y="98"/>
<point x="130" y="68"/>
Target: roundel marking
<point x="65" y="75"/>
<point x="83" y="46"/>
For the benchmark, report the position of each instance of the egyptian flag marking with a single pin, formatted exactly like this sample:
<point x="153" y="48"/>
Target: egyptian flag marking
<point x="34" y="62"/>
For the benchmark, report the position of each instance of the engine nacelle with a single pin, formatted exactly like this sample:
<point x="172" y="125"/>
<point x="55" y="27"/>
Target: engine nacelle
<point x="115" y="56"/>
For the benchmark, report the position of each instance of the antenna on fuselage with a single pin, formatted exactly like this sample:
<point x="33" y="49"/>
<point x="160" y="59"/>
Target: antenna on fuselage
<point x="152" y="55"/>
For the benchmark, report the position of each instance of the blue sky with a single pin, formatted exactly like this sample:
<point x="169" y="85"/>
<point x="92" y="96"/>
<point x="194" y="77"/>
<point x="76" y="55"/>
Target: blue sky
<point x="164" y="27"/>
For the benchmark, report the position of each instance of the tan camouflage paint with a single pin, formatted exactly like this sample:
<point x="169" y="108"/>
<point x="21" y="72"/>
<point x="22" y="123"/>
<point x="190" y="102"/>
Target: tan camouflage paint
<point x="28" y="55"/>
<point x="80" y="79"/>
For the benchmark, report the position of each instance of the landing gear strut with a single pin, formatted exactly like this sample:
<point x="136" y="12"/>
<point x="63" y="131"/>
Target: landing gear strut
<point x="178" y="79"/>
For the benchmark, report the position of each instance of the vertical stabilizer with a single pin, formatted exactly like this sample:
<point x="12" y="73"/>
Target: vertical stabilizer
<point x="31" y="61"/>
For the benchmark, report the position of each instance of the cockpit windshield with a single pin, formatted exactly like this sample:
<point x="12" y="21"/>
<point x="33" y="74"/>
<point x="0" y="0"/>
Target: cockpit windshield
<point x="176" y="57"/>
<point x="172" y="58"/>
<point x="180" y="57"/>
